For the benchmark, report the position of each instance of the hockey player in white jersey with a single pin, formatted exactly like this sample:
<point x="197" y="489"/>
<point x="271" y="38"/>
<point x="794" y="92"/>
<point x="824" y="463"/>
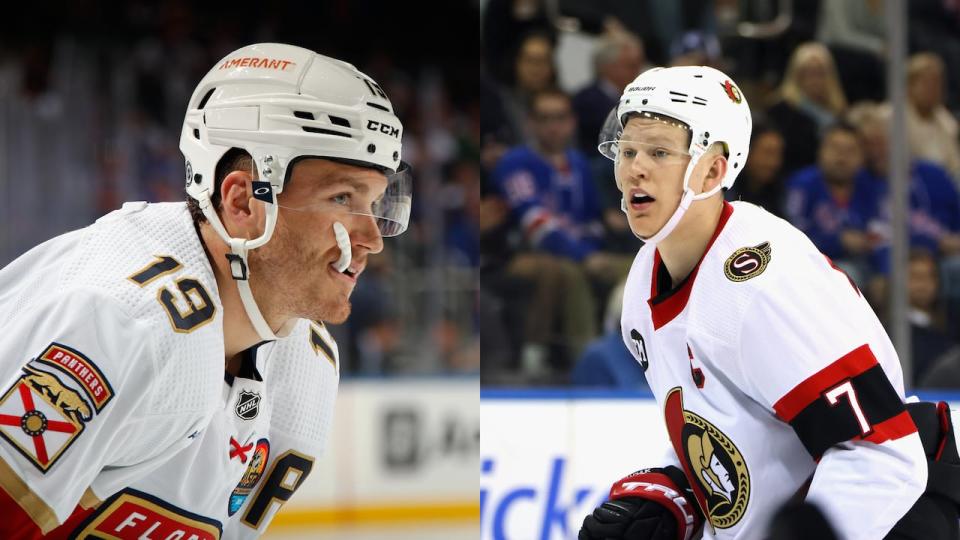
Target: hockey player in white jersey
<point x="166" y="372"/>
<point x="775" y="378"/>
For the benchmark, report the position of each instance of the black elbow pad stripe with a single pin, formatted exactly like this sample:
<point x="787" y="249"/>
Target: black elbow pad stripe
<point x="855" y="403"/>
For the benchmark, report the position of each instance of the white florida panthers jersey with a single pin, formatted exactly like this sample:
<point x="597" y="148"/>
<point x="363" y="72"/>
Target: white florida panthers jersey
<point x="116" y="417"/>
<point x="776" y="380"/>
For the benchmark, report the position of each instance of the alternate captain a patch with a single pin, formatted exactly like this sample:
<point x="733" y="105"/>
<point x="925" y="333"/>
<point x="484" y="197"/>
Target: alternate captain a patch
<point x="40" y="417"/>
<point x="747" y="262"/>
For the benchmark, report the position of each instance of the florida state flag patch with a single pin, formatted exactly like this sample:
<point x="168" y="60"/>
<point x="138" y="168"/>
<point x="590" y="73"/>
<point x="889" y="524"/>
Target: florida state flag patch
<point x="41" y="417"/>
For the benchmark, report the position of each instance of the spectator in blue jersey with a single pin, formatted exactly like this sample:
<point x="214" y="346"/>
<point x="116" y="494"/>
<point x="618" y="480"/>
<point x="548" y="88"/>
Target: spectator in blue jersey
<point x="834" y="202"/>
<point x="550" y="190"/>
<point x="934" y="202"/>
<point x="548" y="184"/>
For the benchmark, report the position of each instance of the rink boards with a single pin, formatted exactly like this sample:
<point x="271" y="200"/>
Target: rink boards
<point x="548" y="457"/>
<point x="403" y="451"/>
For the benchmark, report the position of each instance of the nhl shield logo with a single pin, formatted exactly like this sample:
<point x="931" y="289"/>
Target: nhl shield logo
<point x="248" y="405"/>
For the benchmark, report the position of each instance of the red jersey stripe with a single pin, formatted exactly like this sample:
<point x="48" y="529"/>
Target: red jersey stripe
<point x="892" y="429"/>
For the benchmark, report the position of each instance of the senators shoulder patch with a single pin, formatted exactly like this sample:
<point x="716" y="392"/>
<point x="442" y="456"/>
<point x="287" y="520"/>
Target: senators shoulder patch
<point x="135" y="514"/>
<point x="48" y="407"/>
<point x="747" y="262"/>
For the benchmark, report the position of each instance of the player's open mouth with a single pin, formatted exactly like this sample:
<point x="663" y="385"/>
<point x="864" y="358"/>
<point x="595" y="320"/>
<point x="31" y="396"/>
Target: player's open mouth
<point x="350" y="274"/>
<point x="640" y="200"/>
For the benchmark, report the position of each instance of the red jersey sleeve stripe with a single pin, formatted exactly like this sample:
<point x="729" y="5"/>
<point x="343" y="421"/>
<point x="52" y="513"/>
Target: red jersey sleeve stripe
<point x="847" y="366"/>
<point x="892" y="429"/>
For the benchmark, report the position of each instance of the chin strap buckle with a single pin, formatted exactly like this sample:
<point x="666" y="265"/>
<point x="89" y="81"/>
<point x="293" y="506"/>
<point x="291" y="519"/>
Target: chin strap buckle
<point x="238" y="267"/>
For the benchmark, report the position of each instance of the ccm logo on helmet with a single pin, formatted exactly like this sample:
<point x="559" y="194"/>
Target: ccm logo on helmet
<point x="254" y="62"/>
<point x="373" y="125"/>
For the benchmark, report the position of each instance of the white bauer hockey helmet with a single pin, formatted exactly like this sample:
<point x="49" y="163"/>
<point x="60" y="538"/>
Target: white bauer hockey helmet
<point x="699" y="99"/>
<point x="281" y="103"/>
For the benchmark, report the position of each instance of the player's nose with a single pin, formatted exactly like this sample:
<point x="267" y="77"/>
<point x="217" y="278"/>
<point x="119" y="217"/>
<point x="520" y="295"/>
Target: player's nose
<point x="366" y="234"/>
<point x="637" y="171"/>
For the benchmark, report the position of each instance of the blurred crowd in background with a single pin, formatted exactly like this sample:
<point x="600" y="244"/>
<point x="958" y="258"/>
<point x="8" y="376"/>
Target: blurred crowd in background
<point x="555" y="246"/>
<point x="92" y="100"/>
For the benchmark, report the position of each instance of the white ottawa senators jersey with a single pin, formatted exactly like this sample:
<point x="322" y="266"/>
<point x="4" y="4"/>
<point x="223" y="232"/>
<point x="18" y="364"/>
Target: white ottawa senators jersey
<point x="116" y="416"/>
<point x="771" y="369"/>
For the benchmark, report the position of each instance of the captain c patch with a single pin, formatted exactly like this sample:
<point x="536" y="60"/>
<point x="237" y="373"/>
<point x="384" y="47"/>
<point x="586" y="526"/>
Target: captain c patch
<point x="747" y="262"/>
<point x="41" y="417"/>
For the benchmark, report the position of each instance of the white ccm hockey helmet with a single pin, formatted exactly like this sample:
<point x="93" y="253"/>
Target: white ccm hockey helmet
<point x="699" y="99"/>
<point x="281" y="103"/>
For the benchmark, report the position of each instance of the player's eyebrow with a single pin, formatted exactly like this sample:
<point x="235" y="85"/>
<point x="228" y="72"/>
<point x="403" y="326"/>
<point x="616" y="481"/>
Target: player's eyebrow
<point x="359" y="186"/>
<point x="660" y="139"/>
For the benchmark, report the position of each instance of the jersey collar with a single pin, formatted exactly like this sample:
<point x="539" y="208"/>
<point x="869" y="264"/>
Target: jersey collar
<point x="665" y="306"/>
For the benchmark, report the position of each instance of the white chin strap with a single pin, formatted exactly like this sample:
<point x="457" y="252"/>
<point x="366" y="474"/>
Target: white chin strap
<point x="688" y="197"/>
<point x="343" y="242"/>
<point x="239" y="266"/>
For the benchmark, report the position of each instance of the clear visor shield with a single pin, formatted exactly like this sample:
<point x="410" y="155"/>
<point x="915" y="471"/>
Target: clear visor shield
<point x="647" y="139"/>
<point x="391" y="211"/>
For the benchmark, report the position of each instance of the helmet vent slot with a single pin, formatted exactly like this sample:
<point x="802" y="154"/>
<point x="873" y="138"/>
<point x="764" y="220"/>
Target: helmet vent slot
<point x="206" y="98"/>
<point x="376" y="106"/>
<point x="326" y="132"/>
<point x="337" y="121"/>
<point x="304" y="115"/>
<point x="196" y="134"/>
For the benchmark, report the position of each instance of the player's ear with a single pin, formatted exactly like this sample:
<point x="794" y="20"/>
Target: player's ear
<point x="716" y="172"/>
<point x="239" y="213"/>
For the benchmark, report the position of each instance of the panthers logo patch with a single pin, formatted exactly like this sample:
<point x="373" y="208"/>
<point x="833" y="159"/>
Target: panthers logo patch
<point x="722" y="484"/>
<point x="747" y="262"/>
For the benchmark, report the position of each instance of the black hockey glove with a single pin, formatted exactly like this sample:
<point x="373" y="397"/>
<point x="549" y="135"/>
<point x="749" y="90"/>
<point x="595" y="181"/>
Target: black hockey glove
<point x="935" y="514"/>
<point x="650" y="504"/>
